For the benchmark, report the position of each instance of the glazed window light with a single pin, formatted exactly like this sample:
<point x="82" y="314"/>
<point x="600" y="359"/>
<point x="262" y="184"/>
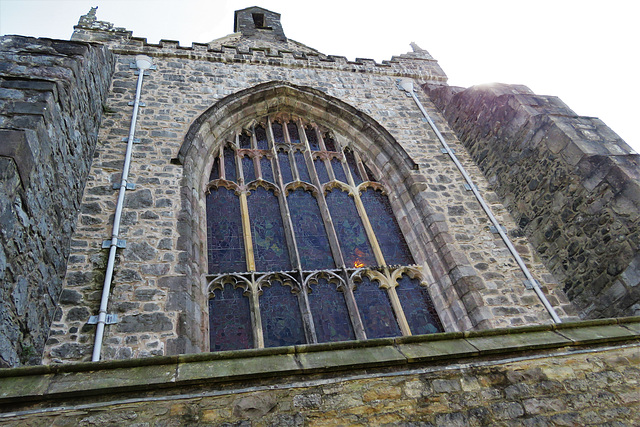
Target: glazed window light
<point x="303" y="245"/>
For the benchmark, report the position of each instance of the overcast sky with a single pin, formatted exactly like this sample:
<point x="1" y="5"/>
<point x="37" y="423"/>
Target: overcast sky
<point x="585" y="51"/>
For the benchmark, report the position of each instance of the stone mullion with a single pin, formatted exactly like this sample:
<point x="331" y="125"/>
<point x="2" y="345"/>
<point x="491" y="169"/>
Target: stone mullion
<point x="223" y="173"/>
<point x="350" y="300"/>
<point x="377" y="252"/>
<point x="246" y="232"/>
<point x="256" y="318"/>
<point x="395" y="304"/>
<point x="294" y="255"/>
<point x="326" y="160"/>
<point x="360" y="165"/>
<point x="352" y="308"/>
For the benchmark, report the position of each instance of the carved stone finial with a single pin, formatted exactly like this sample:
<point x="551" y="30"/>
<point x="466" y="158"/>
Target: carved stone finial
<point x="416" y="48"/>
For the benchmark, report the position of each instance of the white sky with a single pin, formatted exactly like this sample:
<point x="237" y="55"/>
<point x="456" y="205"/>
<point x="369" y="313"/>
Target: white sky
<point x="585" y="51"/>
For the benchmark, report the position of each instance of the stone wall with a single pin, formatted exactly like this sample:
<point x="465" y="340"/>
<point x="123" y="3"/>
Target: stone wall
<point x="46" y="149"/>
<point x="572" y="185"/>
<point x="158" y="289"/>
<point x="585" y="373"/>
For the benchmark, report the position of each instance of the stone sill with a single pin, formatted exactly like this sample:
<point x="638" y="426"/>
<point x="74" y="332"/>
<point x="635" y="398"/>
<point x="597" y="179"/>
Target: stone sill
<point x="43" y="383"/>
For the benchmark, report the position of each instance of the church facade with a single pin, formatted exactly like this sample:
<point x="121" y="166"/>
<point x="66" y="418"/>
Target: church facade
<point x="249" y="230"/>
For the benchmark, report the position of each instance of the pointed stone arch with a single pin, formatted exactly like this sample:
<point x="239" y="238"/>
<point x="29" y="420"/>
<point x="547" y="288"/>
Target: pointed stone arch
<point x="449" y="274"/>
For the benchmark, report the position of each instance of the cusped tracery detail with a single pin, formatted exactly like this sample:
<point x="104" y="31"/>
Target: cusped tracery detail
<point x="295" y="214"/>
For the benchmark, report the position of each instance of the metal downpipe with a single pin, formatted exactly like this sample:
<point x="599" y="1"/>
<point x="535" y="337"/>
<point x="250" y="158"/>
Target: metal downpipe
<point x="143" y="63"/>
<point x="407" y="86"/>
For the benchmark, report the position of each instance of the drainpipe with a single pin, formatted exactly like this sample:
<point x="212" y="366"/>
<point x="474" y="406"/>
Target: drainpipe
<point x="407" y="86"/>
<point x="142" y="63"/>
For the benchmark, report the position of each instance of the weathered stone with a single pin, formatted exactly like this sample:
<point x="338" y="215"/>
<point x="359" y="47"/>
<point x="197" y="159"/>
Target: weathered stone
<point x="145" y="322"/>
<point x="253" y="406"/>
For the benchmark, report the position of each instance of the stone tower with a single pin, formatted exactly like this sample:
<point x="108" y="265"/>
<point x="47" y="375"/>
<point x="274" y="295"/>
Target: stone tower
<point x="272" y="234"/>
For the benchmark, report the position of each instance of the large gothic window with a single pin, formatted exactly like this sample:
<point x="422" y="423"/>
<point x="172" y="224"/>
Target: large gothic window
<point x="303" y="244"/>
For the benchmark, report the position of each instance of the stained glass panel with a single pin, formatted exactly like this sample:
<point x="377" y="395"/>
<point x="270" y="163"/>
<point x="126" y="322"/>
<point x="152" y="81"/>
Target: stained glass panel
<point x="338" y="171"/>
<point x="329" y="143"/>
<point x="245" y="140"/>
<point x="375" y="310"/>
<point x="330" y="314"/>
<point x="248" y="169"/>
<point x="278" y="132"/>
<point x="293" y="133"/>
<point x="353" y="167"/>
<point x="229" y="320"/>
<point x="215" y="169"/>
<point x="261" y="137"/>
<point x="303" y="173"/>
<point x="394" y="248"/>
<point x="417" y="306"/>
<point x="269" y="242"/>
<point x="312" y="137"/>
<point x="285" y="167"/>
<point x="281" y="319"/>
<point x="267" y="171"/>
<point x="370" y="176"/>
<point x="354" y="243"/>
<point x="308" y="227"/>
<point x="321" y="169"/>
<point x="224" y="232"/>
<point x="229" y="164"/>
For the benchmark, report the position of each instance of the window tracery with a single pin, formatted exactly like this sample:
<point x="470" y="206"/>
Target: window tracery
<point x="303" y="242"/>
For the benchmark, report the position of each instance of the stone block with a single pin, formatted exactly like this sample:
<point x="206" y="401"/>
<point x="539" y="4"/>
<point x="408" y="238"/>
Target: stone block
<point x="596" y="334"/>
<point x="235" y="365"/>
<point x="113" y="380"/>
<point x="433" y="350"/>
<point x="20" y="388"/>
<point x="347" y="358"/>
<point x="517" y="341"/>
<point x="15" y="145"/>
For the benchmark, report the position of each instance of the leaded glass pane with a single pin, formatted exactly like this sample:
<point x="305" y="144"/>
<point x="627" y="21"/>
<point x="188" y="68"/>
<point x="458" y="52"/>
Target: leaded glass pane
<point x="293" y="133"/>
<point x="245" y="140"/>
<point x="285" y="166"/>
<point x="312" y="137"/>
<point x="329" y="143"/>
<point x="248" y="169"/>
<point x="215" y="169"/>
<point x="308" y="227"/>
<point x="375" y="310"/>
<point x="370" y="176"/>
<point x="269" y="242"/>
<point x="390" y="239"/>
<point x="230" y="164"/>
<point x="267" y="171"/>
<point x="278" y="132"/>
<point x="353" y="167"/>
<point x="303" y="173"/>
<point x="229" y="320"/>
<point x="417" y="306"/>
<point x="355" y="246"/>
<point x="330" y="314"/>
<point x="281" y="318"/>
<point x="261" y="137"/>
<point x="338" y="171"/>
<point x="321" y="169"/>
<point x="224" y="232"/>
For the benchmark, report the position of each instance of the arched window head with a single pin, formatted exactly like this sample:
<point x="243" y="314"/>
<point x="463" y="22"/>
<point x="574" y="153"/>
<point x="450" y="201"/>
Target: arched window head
<point x="303" y="244"/>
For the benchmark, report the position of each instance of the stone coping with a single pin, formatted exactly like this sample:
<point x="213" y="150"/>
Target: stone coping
<point x="41" y="383"/>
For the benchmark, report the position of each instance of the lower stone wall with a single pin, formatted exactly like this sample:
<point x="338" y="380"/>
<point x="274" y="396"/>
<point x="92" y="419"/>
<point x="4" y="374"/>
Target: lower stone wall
<point x="572" y="185"/>
<point x="46" y="149"/>
<point x="584" y="373"/>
